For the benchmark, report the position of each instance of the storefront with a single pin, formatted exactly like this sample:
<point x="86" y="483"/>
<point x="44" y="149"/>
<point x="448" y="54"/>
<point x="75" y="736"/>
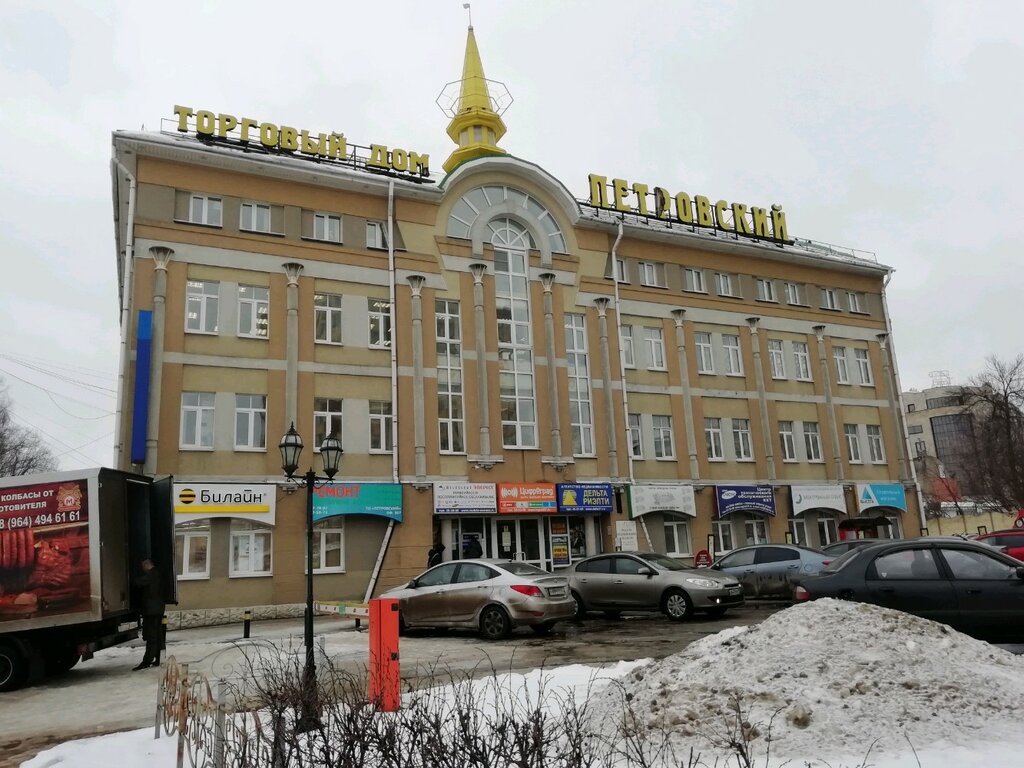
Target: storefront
<point x="880" y="508"/>
<point x="817" y="513"/>
<point x="665" y="512"/>
<point x="743" y="514"/>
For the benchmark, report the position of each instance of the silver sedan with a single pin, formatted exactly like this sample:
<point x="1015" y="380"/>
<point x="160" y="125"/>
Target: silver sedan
<point x="646" y="581"/>
<point x="491" y="596"/>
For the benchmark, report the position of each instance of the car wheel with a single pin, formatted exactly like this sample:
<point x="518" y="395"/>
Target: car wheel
<point x="612" y="614"/>
<point x="716" y="613"/>
<point x="494" y="623"/>
<point x="581" y="608"/>
<point x="677" y="605"/>
<point x="543" y="630"/>
<point x="13" y="667"/>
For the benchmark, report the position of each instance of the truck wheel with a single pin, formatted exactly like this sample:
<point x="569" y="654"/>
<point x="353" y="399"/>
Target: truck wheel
<point x="60" y="659"/>
<point x="13" y="666"/>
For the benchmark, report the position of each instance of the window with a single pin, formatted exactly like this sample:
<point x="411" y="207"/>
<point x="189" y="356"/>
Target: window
<point x="451" y="418"/>
<point x="860" y="357"/>
<point x="255" y="217"/>
<point x="253" y="311"/>
<point x="196" y="420"/>
<point x="812" y="441"/>
<point x="828" y="531"/>
<point x="952" y="438"/>
<point x="755" y="531"/>
<point x="251" y="549"/>
<point x="723" y="537"/>
<point x="652" y="274"/>
<point x="723" y="284"/>
<point x="677" y="536"/>
<point x="828" y="299"/>
<point x="786" y="441"/>
<point x="327" y="318"/>
<point x="915" y="429"/>
<point x="733" y="360"/>
<point x="920" y="449"/>
<point x="192" y="550"/>
<point x="911" y="407"/>
<point x="636" y="443"/>
<point x="515" y="342"/>
<point x="946" y="401"/>
<point x="741" y="440"/>
<point x="794" y="293"/>
<point x="765" y="290"/>
<point x="201" y="303"/>
<point x="705" y="353"/>
<point x="842" y="372"/>
<point x="713" y="439"/>
<point x="205" y="210"/>
<point x="326" y="420"/>
<point x="655" y="347"/>
<point x="663" y="448"/>
<point x="442" y="574"/>
<point x="621" y="271"/>
<point x="329" y="546"/>
<point x="376" y="235"/>
<point x="799" y="530"/>
<point x="250" y="422"/>
<point x="380" y="322"/>
<point x="801" y="361"/>
<point x="967" y="565"/>
<point x="327" y="227"/>
<point x="852" y="443"/>
<point x="875" y="450"/>
<point x="693" y="280"/>
<point x="776" y="358"/>
<point x="626" y="344"/>
<point x="380" y="426"/>
<point x="904" y="564"/>
<point x="581" y="420"/>
<point x="855" y="301"/>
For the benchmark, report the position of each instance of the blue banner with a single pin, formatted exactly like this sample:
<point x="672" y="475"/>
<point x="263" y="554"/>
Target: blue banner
<point x="745" y="498"/>
<point x="140" y="402"/>
<point x="881" y="495"/>
<point x="574" y="498"/>
<point x="377" y="499"/>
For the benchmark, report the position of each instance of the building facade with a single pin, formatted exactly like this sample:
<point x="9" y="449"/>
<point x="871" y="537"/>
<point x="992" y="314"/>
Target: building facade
<point x="507" y="366"/>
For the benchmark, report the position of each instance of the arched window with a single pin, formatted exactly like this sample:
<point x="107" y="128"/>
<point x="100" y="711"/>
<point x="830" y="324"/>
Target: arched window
<point x="480" y="199"/>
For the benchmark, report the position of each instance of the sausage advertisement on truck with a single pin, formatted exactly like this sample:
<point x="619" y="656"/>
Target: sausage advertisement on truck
<point x="71" y="548"/>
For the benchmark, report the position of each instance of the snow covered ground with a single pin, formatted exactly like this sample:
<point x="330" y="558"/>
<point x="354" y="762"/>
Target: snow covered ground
<point x="838" y="678"/>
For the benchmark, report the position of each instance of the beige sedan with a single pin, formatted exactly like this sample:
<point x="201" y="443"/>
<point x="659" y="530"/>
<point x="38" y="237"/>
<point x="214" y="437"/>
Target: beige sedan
<point x="491" y="596"/>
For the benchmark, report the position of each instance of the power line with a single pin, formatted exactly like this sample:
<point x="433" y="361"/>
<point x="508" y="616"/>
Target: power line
<point x="70" y="449"/>
<point x="51" y="393"/>
<point x="39" y="369"/>
<point x="53" y="364"/>
<point x="85" y="445"/>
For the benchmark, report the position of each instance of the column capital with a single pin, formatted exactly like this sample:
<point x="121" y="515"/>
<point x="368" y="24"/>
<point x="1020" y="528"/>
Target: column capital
<point x="479" y="269"/>
<point x="819" y="331"/>
<point x="292" y="269"/>
<point x="162" y="256"/>
<point x="416" y="282"/>
<point x="602" y="305"/>
<point x="883" y="339"/>
<point x="753" y="321"/>
<point x="679" y="315"/>
<point x="547" y="279"/>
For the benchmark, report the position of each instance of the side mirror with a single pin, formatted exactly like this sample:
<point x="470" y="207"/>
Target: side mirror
<point x="644" y="571"/>
<point x="411" y="584"/>
<point x="716" y="566"/>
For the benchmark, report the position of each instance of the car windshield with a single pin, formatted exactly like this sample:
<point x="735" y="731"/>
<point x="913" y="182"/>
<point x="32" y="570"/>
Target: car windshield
<point x="664" y="561"/>
<point x="522" y="569"/>
<point x="842" y="561"/>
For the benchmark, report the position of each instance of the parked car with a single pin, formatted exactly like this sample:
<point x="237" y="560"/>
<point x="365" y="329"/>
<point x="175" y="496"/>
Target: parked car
<point x="967" y="585"/>
<point x="491" y="596"/>
<point x="1011" y="542"/>
<point x="842" y="547"/>
<point x="647" y="581"/>
<point x="770" y="570"/>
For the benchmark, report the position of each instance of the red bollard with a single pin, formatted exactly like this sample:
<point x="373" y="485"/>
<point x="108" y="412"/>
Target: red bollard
<point x="385" y="682"/>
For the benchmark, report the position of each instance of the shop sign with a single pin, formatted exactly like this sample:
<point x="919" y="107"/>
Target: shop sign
<point x="871" y="495"/>
<point x="526" y="498"/>
<point x="662" y="498"/>
<point x="574" y="498"/>
<point x="698" y="211"/>
<point x="703" y="559"/>
<point x="807" y="497"/>
<point x="248" y="501"/>
<point x="374" y="499"/>
<point x="626" y="539"/>
<point x="745" y="498"/>
<point x="464" y="499"/>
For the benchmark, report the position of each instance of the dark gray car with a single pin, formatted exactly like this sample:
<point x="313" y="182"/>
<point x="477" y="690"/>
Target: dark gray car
<point x="771" y="570"/>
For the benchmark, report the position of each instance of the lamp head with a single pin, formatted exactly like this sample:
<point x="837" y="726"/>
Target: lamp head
<point x="291" y="447"/>
<point x="330" y="452"/>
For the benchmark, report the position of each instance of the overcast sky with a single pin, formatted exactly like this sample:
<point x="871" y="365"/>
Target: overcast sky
<point x="892" y="127"/>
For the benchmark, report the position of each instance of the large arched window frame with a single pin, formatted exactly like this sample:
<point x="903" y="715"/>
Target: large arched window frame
<point x="489" y="202"/>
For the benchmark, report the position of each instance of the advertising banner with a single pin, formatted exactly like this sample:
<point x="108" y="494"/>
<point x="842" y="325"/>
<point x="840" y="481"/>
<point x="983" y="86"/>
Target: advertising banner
<point x="664" y="497"/>
<point x="745" y="498"/>
<point x="248" y="501"/>
<point x="374" y="499"/>
<point x="870" y="495"/>
<point x="807" y="497"/>
<point x="576" y="498"/>
<point x="626" y="539"/>
<point x="526" y="499"/>
<point x="44" y="550"/>
<point x="464" y="499"/>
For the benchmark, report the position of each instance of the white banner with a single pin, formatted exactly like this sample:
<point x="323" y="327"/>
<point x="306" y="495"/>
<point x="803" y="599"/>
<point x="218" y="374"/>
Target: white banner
<point x="662" y="497"/>
<point x="626" y="539"/>
<point x="249" y="501"/>
<point x="464" y="499"/>
<point x="807" y="497"/>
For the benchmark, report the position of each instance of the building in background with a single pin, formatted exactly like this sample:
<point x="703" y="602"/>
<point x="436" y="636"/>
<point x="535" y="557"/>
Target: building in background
<point x="509" y="366"/>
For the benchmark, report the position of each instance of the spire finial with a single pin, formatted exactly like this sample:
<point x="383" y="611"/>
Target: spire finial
<point x="466" y="6"/>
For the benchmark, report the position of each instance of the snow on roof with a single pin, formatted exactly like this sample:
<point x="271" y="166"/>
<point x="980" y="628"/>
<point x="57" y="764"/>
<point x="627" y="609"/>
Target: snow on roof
<point x="836" y="676"/>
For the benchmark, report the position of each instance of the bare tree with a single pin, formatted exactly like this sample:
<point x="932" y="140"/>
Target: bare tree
<point x="22" y="451"/>
<point x="993" y="462"/>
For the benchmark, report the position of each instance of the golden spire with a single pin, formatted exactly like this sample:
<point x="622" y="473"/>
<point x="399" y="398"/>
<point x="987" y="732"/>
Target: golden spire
<point x="476" y="126"/>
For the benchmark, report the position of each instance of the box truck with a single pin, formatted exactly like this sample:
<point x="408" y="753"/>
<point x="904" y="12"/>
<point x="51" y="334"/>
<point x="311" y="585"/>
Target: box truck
<point x="71" y="547"/>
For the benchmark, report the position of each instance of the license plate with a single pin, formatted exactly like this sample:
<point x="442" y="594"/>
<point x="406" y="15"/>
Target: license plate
<point x="557" y="592"/>
<point x="734" y="591"/>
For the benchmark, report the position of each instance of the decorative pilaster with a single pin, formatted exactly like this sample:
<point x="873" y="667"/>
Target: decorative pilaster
<point x="833" y="427"/>
<point x="291" y="377"/>
<point x="679" y="316"/>
<point x="606" y="381"/>
<point x="894" y="406"/>
<point x="161" y="258"/>
<point x="762" y="397"/>
<point x="418" y="419"/>
<point x="484" y="459"/>
<point x="547" y="281"/>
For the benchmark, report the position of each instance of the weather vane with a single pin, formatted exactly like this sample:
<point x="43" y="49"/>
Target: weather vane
<point x="466" y="6"/>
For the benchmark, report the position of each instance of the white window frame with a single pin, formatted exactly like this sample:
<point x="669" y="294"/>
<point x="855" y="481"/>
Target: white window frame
<point x="197" y="412"/>
<point x="852" y="434"/>
<point x="322" y="226"/>
<point x="626" y="346"/>
<point x="376" y="236"/>
<point x="705" y="352"/>
<point x="328" y="314"/>
<point x="812" y="441"/>
<point x="724" y="540"/>
<point x="328" y="418"/>
<point x="713" y="444"/>
<point x="860" y="357"/>
<point x="251" y="215"/>
<point x="251" y="533"/>
<point x="802" y="361"/>
<point x="855" y="301"/>
<point x="254" y="407"/>
<point x="254" y="308"/>
<point x="211" y="210"/>
<point x="188" y="533"/>
<point x="636" y="436"/>
<point x="202" y="300"/>
<point x="652" y="274"/>
<point x="798" y="529"/>
<point x="829" y="299"/>
<point x="379" y="322"/>
<point x="664" y="445"/>
<point x="693" y="280"/>
<point x="451" y="419"/>
<point x="380" y="421"/>
<point x="621" y="271"/>
<point x="733" y="354"/>
<point x="742" y="443"/>
<point x="766" y="290"/>
<point x="787" y="440"/>
<point x="654" y="340"/>
<point x="678" y="525"/>
<point x="517" y="391"/>
<point x="334" y="527"/>
<point x="777" y="358"/>
<point x="723" y="284"/>
<point x="828" y="530"/>
<point x="794" y="295"/>
<point x="755" y="531"/>
<point x="876" y="446"/>
<point x="842" y="369"/>
<point x="581" y="409"/>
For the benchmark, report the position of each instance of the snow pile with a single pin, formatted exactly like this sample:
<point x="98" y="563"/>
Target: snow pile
<point x="825" y="679"/>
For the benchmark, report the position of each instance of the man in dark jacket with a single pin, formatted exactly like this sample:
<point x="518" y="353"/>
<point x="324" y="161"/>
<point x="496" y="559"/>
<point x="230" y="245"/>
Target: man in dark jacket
<point x="434" y="556"/>
<point x="151" y="593"/>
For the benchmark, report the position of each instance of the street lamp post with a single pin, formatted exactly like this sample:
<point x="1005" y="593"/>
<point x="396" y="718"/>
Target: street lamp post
<point x="330" y="453"/>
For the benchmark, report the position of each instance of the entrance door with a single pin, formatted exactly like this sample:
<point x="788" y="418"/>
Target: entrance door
<point x="520" y="539"/>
